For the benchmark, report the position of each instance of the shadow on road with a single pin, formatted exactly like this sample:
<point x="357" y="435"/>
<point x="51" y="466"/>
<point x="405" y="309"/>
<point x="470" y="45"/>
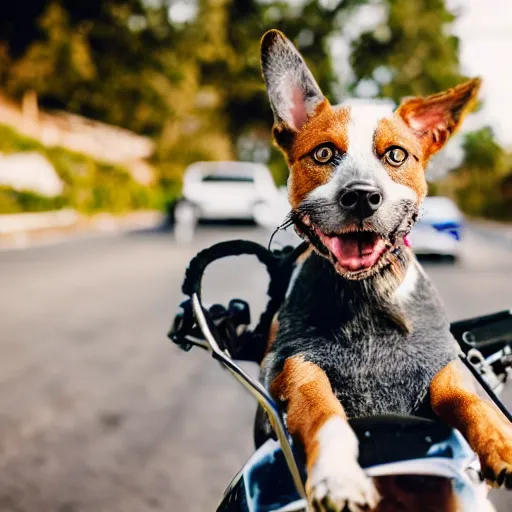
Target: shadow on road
<point x="204" y="226"/>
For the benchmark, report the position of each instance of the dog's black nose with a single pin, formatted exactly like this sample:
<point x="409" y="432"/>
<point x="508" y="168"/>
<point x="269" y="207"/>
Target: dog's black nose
<point x="361" y="198"/>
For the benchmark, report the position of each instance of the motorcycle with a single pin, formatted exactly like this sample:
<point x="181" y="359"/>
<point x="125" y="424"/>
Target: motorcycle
<point x="417" y="455"/>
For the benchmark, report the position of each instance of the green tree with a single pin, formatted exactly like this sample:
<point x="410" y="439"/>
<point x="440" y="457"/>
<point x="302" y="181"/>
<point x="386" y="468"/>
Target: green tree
<point x="55" y="65"/>
<point x="411" y="52"/>
<point x="475" y="183"/>
<point x="111" y="60"/>
<point x="482" y="152"/>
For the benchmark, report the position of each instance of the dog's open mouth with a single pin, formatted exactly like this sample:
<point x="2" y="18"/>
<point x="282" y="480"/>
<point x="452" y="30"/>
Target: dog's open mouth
<point x="356" y="250"/>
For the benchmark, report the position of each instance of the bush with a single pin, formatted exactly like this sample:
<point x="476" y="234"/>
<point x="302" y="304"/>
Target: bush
<point x="90" y="186"/>
<point x="13" y="201"/>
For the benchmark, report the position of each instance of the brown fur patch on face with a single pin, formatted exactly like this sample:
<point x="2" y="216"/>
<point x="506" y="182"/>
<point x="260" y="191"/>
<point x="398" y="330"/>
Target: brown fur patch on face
<point x="305" y="388"/>
<point x="488" y="432"/>
<point x="391" y="132"/>
<point x="328" y="125"/>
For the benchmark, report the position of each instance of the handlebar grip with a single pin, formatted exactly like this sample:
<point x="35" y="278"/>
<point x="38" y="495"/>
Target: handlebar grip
<point x="197" y="266"/>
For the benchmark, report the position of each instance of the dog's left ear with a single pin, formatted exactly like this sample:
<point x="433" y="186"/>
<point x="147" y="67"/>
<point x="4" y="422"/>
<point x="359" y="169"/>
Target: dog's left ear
<point x="435" y="118"/>
<point x="293" y="92"/>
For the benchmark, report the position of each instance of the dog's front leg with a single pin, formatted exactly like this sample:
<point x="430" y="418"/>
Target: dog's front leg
<point x="316" y="418"/>
<point x="454" y="399"/>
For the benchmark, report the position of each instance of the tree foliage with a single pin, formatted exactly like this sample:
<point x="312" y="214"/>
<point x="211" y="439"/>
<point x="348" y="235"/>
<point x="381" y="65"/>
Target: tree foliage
<point x="477" y="182"/>
<point x="482" y="152"/>
<point x="195" y="86"/>
<point x="106" y="59"/>
<point x="411" y="52"/>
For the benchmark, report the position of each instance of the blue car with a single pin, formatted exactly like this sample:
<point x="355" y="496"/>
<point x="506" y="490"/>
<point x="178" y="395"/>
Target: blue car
<point x="439" y="230"/>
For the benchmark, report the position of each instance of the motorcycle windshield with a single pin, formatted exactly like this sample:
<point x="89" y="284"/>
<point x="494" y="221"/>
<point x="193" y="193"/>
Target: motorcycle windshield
<point x="437" y="480"/>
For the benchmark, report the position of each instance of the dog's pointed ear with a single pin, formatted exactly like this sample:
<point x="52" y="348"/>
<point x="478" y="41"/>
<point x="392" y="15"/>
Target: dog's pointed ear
<point x="294" y="94"/>
<point x="435" y="118"/>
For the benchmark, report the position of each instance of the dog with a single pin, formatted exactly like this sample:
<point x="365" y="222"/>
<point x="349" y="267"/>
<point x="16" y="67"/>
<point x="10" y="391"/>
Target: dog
<point x="362" y="331"/>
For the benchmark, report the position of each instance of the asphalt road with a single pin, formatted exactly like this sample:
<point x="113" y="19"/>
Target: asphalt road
<point x="100" y="413"/>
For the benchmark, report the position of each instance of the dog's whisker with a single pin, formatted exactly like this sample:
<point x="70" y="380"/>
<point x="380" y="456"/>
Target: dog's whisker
<point x="284" y="225"/>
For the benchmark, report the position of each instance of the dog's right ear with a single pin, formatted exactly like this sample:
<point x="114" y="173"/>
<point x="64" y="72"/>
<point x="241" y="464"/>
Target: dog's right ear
<point x="293" y="92"/>
<point x="435" y="118"/>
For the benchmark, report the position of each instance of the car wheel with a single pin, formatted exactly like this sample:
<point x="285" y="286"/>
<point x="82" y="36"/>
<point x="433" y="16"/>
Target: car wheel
<point x="450" y="259"/>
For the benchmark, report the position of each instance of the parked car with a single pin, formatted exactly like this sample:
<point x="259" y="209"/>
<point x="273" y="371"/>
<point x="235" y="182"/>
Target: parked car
<point x="221" y="191"/>
<point x="273" y="213"/>
<point x="439" y="229"/>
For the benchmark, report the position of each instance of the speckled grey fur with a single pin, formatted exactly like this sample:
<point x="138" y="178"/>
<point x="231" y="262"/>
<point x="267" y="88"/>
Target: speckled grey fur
<point x="342" y="326"/>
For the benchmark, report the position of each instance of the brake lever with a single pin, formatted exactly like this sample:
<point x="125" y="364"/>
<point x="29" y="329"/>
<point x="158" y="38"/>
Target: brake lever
<point x="183" y="326"/>
<point x="229" y="325"/>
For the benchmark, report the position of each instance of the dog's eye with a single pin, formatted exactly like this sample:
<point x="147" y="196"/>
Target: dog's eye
<point x="324" y="154"/>
<point x="395" y="156"/>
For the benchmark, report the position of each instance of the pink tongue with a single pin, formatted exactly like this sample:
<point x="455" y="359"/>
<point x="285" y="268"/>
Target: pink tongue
<point x="352" y="254"/>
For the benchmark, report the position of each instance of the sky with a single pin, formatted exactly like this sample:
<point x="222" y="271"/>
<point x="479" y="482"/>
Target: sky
<point x="485" y="30"/>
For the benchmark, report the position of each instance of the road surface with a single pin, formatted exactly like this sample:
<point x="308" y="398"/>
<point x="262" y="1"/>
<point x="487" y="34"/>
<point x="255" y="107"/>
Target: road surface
<point x="100" y="413"/>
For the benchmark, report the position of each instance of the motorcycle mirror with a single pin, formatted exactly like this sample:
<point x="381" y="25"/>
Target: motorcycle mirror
<point x="491" y="334"/>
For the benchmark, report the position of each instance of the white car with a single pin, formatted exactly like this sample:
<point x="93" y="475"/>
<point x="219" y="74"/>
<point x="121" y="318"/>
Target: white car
<point x="439" y="229"/>
<point x="222" y="191"/>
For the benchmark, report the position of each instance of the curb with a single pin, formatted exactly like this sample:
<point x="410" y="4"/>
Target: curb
<point x="14" y="223"/>
<point x="501" y="235"/>
<point x="23" y="231"/>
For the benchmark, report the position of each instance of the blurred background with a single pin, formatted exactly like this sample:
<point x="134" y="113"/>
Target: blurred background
<point x="128" y="129"/>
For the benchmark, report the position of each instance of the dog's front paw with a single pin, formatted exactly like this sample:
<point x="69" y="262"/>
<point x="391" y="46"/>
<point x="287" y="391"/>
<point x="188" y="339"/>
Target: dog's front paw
<point x="496" y="458"/>
<point x="342" y="486"/>
<point x="336" y="482"/>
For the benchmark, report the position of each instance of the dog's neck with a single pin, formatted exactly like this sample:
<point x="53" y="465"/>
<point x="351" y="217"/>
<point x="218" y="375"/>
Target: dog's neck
<point x="380" y="293"/>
